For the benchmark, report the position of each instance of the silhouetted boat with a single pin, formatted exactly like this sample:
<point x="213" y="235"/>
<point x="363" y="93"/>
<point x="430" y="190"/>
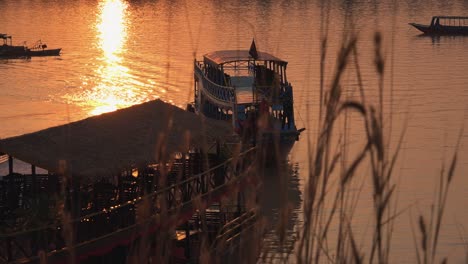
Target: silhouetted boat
<point x="7" y="50"/>
<point x="249" y="89"/>
<point x="40" y="49"/>
<point x="45" y="52"/>
<point x="444" y="25"/>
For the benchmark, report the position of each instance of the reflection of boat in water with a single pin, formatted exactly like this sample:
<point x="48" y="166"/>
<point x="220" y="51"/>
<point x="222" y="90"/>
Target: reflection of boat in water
<point x="268" y="232"/>
<point x="280" y="204"/>
<point x="248" y="88"/>
<point x="8" y="50"/>
<point x="444" y="25"/>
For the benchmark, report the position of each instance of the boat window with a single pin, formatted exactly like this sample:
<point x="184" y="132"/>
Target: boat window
<point x="242" y="81"/>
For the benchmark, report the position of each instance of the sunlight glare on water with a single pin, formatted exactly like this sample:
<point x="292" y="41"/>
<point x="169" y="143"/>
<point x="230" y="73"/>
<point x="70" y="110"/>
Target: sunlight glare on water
<point x="111" y="89"/>
<point x="112" y="29"/>
<point x="108" y="95"/>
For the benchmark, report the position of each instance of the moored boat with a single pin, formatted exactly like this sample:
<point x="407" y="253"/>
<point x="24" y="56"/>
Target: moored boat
<point x="8" y="50"/>
<point x="248" y="88"/>
<point x="46" y="52"/>
<point x="40" y="49"/>
<point x="444" y="25"/>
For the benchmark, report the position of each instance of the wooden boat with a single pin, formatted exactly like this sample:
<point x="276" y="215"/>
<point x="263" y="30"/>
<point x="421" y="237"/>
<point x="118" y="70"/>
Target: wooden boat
<point x="8" y="50"/>
<point x="444" y="25"/>
<point x="40" y="49"/>
<point x="248" y="88"/>
<point x="41" y="53"/>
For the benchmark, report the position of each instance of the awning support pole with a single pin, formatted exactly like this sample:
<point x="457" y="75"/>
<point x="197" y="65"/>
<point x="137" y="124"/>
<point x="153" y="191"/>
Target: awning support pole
<point x="10" y="164"/>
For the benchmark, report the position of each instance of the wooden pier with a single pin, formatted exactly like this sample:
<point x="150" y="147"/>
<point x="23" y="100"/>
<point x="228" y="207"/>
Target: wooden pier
<point x="107" y="206"/>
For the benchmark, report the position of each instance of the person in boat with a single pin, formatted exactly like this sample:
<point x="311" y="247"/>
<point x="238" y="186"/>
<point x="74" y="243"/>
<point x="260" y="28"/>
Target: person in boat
<point x="240" y="120"/>
<point x="264" y="121"/>
<point x="243" y="122"/>
<point x="248" y="126"/>
<point x="437" y="23"/>
<point x="286" y="99"/>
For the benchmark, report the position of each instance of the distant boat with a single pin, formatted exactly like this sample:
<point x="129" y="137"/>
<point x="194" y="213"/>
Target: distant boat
<point x="444" y="25"/>
<point x="8" y="50"/>
<point x="40" y="49"/>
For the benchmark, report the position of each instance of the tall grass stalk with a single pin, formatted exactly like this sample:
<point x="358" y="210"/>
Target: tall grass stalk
<point x="327" y="206"/>
<point x="319" y="215"/>
<point x="427" y="249"/>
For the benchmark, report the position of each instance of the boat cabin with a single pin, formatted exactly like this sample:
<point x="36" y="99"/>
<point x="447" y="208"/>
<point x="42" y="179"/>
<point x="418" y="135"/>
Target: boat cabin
<point x="454" y="21"/>
<point x="5" y="38"/>
<point x="444" y="25"/>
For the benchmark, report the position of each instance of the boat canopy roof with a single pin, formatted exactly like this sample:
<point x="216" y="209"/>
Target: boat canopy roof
<point x="105" y="145"/>
<point x="451" y="17"/>
<point x="226" y="56"/>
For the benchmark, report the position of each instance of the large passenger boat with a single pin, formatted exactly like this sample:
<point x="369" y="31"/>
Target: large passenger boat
<point x="248" y="88"/>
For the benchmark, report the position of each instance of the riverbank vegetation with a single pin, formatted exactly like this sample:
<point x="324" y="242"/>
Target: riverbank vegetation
<point x="328" y="234"/>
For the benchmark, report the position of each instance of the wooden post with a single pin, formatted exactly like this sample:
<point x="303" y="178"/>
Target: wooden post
<point x="187" y="240"/>
<point x="239" y="209"/>
<point x="10" y="164"/>
<point x="9" y="253"/>
<point x="34" y="181"/>
<point x="120" y="187"/>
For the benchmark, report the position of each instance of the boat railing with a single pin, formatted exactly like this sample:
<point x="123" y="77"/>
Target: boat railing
<point x="449" y="21"/>
<point x="233" y="230"/>
<point x="223" y="94"/>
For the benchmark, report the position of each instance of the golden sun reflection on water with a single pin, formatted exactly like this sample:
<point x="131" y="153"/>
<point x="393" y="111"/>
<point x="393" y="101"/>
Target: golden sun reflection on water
<point x="112" y="29"/>
<point x="112" y="90"/>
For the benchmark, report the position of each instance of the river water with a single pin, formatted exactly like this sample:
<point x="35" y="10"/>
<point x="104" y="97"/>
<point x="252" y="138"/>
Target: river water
<point x="119" y="53"/>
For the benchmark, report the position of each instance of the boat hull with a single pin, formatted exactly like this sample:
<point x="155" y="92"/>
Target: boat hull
<point x="7" y="51"/>
<point x="12" y="52"/>
<point x="441" y="30"/>
<point x="42" y="53"/>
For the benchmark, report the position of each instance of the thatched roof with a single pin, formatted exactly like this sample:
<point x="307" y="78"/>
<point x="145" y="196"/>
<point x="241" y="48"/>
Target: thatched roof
<point x="103" y="145"/>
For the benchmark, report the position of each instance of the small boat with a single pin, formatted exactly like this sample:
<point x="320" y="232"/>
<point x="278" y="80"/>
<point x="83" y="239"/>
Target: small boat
<point x="444" y="25"/>
<point x="249" y="89"/>
<point x="9" y="51"/>
<point x="40" y="49"/>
